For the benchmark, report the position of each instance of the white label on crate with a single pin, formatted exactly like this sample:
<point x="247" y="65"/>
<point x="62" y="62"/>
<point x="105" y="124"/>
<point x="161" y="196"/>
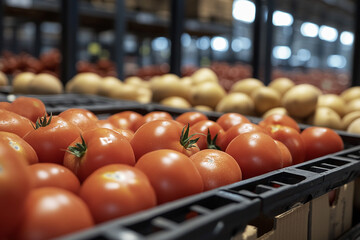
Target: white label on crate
<point x="19" y="3"/>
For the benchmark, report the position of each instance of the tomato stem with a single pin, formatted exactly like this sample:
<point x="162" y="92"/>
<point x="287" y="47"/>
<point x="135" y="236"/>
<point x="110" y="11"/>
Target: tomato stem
<point x="211" y="142"/>
<point x="185" y="139"/>
<point x="42" y="121"/>
<point x="79" y="149"/>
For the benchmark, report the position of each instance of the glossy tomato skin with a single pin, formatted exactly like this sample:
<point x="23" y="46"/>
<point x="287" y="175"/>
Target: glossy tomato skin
<point x="191" y="118"/>
<point x="20" y="146"/>
<point x="292" y="140"/>
<point x="228" y="120"/>
<point x="156" y="115"/>
<point x="320" y="141"/>
<point x="201" y="130"/>
<point x="14" y="123"/>
<point x="126" y="120"/>
<point x="279" y="119"/>
<point x="52" y="212"/>
<point x="51" y="142"/>
<point x="237" y="130"/>
<point x="117" y="190"/>
<point x="127" y="133"/>
<point x="256" y="153"/>
<point x="104" y="146"/>
<point x="105" y="123"/>
<point x="5" y="105"/>
<point x="14" y="188"/>
<point x="159" y="134"/>
<point x="172" y="174"/>
<point x="285" y="154"/>
<point x="80" y="118"/>
<point x="53" y="175"/>
<point x="217" y="168"/>
<point x="31" y="108"/>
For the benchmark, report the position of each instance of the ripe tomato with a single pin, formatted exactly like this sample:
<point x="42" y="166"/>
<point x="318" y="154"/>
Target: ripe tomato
<point x="51" y="140"/>
<point x="51" y="212"/>
<point x="99" y="147"/>
<point x="320" y="141"/>
<point x="217" y="168"/>
<point x="20" y="146"/>
<point x="172" y="174"/>
<point x="117" y="190"/>
<point x="53" y="175"/>
<point x="191" y="118"/>
<point x="126" y="120"/>
<point x="279" y="119"/>
<point x="156" y="115"/>
<point x="127" y="133"/>
<point x="162" y="134"/>
<point x="80" y="118"/>
<point x="256" y="153"/>
<point x="285" y="154"/>
<point x="14" y="123"/>
<point x="31" y="108"/>
<point x="292" y="140"/>
<point x="237" y="130"/>
<point x="105" y="123"/>
<point x="5" y="105"/>
<point x="201" y="130"/>
<point x="228" y="120"/>
<point x="14" y="187"/>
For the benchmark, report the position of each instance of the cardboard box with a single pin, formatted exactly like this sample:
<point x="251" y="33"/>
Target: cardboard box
<point x="330" y="221"/>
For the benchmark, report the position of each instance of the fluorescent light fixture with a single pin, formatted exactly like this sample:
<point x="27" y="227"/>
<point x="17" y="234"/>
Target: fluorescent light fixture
<point x="282" y="52"/>
<point x="303" y="55"/>
<point x="244" y="10"/>
<point x="282" y="19"/>
<point x="219" y="44"/>
<point x="336" y="61"/>
<point x="327" y="33"/>
<point x="160" y="43"/>
<point x="309" y="29"/>
<point x="347" y="38"/>
<point x="203" y="43"/>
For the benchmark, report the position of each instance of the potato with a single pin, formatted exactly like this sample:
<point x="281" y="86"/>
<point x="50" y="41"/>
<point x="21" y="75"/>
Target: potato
<point x="45" y="83"/>
<point x="4" y="81"/>
<point x="354" y="127"/>
<point x="21" y="82"/>
<point x="349" y="118"/>
<point x="332" y="101"/>
<point x="85" y="83"/>
<point x="265" y="98"/>
<point x="177" y="102"/>
<point x="144" y="95"/>
<point x="208" y="94"/>
<point x="237" y="103"/>
<point x="168" y="85"/>
<point x="137" y="82"/>
<point x="277" y="110"/>
<point x="300" y="101"/>
<point x="125" y="92"/>
<point x="350" y="94"/>
<point x="107" y="84"/>
<point x="246" y="86"/>
<point x="281" y="85"/>
<point x="203" y="108"/>
<point x="204" y="75"/>
<point x="325" y="117"/>
<point x="352" y="106"/>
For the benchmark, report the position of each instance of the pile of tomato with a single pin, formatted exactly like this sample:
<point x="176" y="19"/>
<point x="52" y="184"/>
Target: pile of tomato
<point x="64" y="173"/>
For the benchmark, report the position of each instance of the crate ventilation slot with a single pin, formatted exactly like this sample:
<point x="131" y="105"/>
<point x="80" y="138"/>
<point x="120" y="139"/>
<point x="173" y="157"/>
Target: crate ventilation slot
<point x="323" y="166"/>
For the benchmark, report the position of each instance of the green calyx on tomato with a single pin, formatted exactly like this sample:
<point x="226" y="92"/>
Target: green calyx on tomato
<point x="211" y="142"/>
<point x="43" y="121"/>
<point x="185" y="139"/>
<point x="79" y="149"/>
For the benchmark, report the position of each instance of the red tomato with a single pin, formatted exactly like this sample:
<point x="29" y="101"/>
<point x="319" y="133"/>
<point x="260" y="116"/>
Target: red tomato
<point x="14" y="187"/>
<point x="256" y="153"/>
<point x="202" y="128"/>
<point x="217" y="168"/>
<point x="51" y="141"/>
<point x="237" y="130"/>
<point x="191" y="118"/>
<point x="127" y="133"/>
<point x="320" y="141"/>
<point x="105" y="123"/>
<point x="53" y="175"/>
<point x="31" y="108"/>
<point x="279" y="119"/>
<point x="156" y="115"/>
<point x="80" y="118"/>
<point x="14" y="123"/>
<point x="101" y="147"/>
<point x="126" y="120"/>
<point x="161" y="134"/>
<point x="117" y="190"/>
<point x="228" y="120"/>
<point x="51" y="212"/>
<point x="20" y="146"/>
<point x="292" y="140"/>
<point x="172" y="174"/>
<point x="5" y="105"/>
<point x="285" y="154"/>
